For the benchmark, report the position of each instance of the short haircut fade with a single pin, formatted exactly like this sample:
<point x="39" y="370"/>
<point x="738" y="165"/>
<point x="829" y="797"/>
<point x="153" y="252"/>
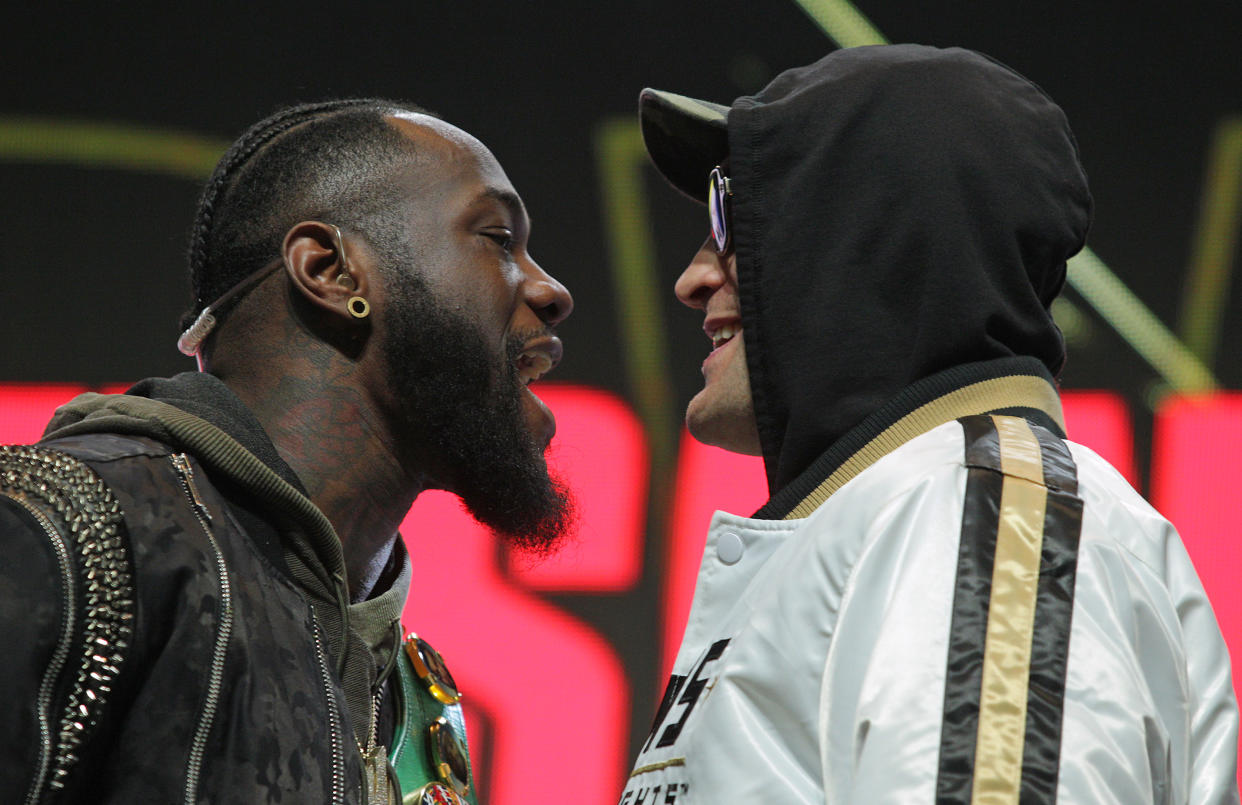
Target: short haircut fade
<point x="329" y="160"/>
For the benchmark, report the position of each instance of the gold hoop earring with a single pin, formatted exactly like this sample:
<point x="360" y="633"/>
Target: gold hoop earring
<point x="359" y="308"/>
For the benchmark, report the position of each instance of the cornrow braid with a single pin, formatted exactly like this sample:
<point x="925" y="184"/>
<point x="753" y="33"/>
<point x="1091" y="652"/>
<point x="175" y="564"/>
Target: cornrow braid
<point x="263" y="181"/>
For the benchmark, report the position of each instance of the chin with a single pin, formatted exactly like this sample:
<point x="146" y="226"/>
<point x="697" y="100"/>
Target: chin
<point x="735" y="432"/>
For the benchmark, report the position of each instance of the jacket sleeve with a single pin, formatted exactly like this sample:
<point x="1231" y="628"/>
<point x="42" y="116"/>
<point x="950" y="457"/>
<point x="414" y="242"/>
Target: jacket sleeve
<point x="66" y="617"/>
<point x="32" y="624"/>
<point x="1004" y="636"/>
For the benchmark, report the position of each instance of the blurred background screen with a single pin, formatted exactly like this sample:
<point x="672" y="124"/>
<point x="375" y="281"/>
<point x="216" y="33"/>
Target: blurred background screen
<point x="113" y="114"/>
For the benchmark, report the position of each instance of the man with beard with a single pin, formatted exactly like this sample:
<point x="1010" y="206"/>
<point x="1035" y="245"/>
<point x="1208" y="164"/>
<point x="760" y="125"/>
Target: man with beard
<point x="943" y="600"/>
<point x="203" y="578"/>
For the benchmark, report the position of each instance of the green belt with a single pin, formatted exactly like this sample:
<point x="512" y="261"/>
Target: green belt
<point x="413" y="757"/>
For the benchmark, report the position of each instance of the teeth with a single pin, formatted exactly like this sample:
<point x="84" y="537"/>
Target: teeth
<point x="533" y="364"/>
<point x="724" y="333"/>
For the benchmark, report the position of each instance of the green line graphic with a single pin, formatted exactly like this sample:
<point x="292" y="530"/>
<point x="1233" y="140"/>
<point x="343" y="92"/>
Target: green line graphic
<point x="620" y="156"/>
<point x="1126" y="313"/>
<point x="1088" y="275"/>
<point x="843" y="23"/>
<point x="1215" y="244"/>
<point x="108" y="145"/>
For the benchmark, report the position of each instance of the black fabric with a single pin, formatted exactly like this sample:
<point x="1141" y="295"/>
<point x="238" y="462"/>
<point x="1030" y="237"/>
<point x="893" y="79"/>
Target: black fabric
<point x="282" y="540"/>
<point x="1041" y="753"/>
<point x="685" y="147"/>
<point x="908" y="399"/>
<point x="897" y="211"/>
<point x="971" y="599"/>
<point x="30" y="579"/>
<point x="208" y="398"/>
<point x="276" y="731"/>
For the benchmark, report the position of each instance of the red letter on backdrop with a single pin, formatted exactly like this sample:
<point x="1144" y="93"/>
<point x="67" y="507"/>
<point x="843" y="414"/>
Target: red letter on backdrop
<point x="538" y="676"/>
<point x="708" y="479"/>
<point x="26" y="407"/>
<point x="551" y="688"/>
<point x="1196" y="466"/>
<point x="1101" y="421"/>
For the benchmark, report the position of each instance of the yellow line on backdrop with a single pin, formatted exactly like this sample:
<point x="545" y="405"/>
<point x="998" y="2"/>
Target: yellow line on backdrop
<point x="108" y="145"/>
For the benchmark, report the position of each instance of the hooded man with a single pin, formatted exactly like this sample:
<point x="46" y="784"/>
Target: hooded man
<point x="942" y="600"/>
<point x="202" y="577"/>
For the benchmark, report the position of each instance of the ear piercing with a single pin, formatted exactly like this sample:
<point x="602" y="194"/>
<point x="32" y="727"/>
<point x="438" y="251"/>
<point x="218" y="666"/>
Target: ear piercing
<point x="358" y="306"/>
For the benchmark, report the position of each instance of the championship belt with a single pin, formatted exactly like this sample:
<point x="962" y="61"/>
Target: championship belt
<point x="429" y="753"/>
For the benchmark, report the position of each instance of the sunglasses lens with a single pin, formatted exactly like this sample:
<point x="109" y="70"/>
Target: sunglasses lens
<point x="716" y="210"/>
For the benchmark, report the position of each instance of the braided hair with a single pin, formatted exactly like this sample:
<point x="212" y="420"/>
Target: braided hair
<point x="330" y="160"/>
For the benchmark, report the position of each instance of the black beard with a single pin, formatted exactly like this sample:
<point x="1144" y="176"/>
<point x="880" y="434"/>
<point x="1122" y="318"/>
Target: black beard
<point x="463" y="413"/>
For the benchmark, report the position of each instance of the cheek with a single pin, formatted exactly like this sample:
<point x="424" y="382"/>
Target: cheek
<point x="488" y="303"/>
<point x="731" y="268"/>
<point x="492" y="294"/>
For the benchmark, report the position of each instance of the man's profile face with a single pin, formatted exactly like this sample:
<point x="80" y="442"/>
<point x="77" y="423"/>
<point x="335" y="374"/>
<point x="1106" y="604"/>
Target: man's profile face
<point x="467" y="325"/>
<point x="722" y="413"/>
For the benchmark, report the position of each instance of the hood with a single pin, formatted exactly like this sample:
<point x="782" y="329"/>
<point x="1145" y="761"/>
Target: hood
<point x="198" y="394"/>
<point x="197" y="413"/>
<point x="897" y="211"/>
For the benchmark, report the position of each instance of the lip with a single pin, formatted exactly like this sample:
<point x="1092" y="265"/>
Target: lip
<point x="541" y="418"/>
<point x="714" y="323"/>
<point x="716" y="354"/>
<point x="549" y="345"/>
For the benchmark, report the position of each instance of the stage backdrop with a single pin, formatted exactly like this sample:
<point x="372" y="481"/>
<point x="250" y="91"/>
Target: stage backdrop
<point x="110" y="119"/>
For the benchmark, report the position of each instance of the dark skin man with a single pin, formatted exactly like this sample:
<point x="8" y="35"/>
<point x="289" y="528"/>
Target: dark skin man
<point x="203" y="575"/>
<point x="292" y="353"/>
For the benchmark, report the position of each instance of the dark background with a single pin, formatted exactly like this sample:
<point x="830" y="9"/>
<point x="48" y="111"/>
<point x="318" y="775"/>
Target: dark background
<point x="92" y="264"/>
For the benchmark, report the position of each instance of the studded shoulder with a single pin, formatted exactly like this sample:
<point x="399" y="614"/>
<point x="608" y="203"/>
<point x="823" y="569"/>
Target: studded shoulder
<point x="84" y="521"/>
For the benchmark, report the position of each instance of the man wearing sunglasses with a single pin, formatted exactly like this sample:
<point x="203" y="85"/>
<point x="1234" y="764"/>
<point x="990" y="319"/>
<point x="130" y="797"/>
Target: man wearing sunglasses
<point x="202" y="582"/>
<point x="943" y="599"/>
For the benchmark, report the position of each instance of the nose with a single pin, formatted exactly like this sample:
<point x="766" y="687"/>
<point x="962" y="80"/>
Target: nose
<point x="546" y="296"/>
<point x="702" y="278"/>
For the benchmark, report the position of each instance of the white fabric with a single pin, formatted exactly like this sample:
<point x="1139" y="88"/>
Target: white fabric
<point x="831" y="688"/>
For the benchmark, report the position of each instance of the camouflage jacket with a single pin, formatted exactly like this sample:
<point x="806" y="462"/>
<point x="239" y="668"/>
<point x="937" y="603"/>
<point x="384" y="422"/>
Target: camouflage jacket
<point x="159" y="649"/>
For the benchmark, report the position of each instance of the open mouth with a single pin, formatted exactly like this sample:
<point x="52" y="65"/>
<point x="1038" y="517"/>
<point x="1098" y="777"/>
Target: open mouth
<point x="538" y="358"/>
<point x="722" y="333"/>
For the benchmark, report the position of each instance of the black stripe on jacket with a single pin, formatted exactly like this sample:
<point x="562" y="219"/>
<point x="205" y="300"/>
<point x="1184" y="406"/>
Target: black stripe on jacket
<point x="1047" y="488"/>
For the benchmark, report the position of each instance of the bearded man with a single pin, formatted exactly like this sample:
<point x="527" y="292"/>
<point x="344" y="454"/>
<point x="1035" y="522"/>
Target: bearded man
<point x="203" y="577"/>
<point x="943" y="599"/>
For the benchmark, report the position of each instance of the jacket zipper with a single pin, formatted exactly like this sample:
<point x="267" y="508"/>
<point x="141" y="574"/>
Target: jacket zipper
<point x="215" y="678"/>
<point x="334" y="718"/>
<point x="57" y="663"/>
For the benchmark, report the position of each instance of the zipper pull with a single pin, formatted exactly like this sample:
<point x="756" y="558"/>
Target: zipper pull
<point x="186" y="471"/>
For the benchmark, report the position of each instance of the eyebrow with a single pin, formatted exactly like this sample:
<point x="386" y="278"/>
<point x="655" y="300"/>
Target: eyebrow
<point x="510" y="199"/>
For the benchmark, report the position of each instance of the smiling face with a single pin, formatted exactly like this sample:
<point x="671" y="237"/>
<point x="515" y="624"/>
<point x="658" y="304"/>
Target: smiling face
<point x="723" y="413"/>
<point x="471" y="232"/>
<point x="466" y="324"/>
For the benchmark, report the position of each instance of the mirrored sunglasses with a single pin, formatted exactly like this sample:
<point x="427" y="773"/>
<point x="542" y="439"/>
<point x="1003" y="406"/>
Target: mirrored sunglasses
<point x="719" y="193"/>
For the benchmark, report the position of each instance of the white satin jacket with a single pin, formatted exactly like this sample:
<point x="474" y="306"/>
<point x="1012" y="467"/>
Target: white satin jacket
<point x="983" y="614"/>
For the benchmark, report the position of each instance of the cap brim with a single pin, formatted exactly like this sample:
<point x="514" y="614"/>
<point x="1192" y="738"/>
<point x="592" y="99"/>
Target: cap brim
<point x="685" y="137"/>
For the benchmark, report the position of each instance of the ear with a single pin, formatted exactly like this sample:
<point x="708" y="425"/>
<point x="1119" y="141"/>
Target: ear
<point x="317" y="260"/>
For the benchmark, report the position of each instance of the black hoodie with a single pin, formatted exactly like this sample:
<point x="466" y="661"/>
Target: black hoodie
<point x="902" y="215"/>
